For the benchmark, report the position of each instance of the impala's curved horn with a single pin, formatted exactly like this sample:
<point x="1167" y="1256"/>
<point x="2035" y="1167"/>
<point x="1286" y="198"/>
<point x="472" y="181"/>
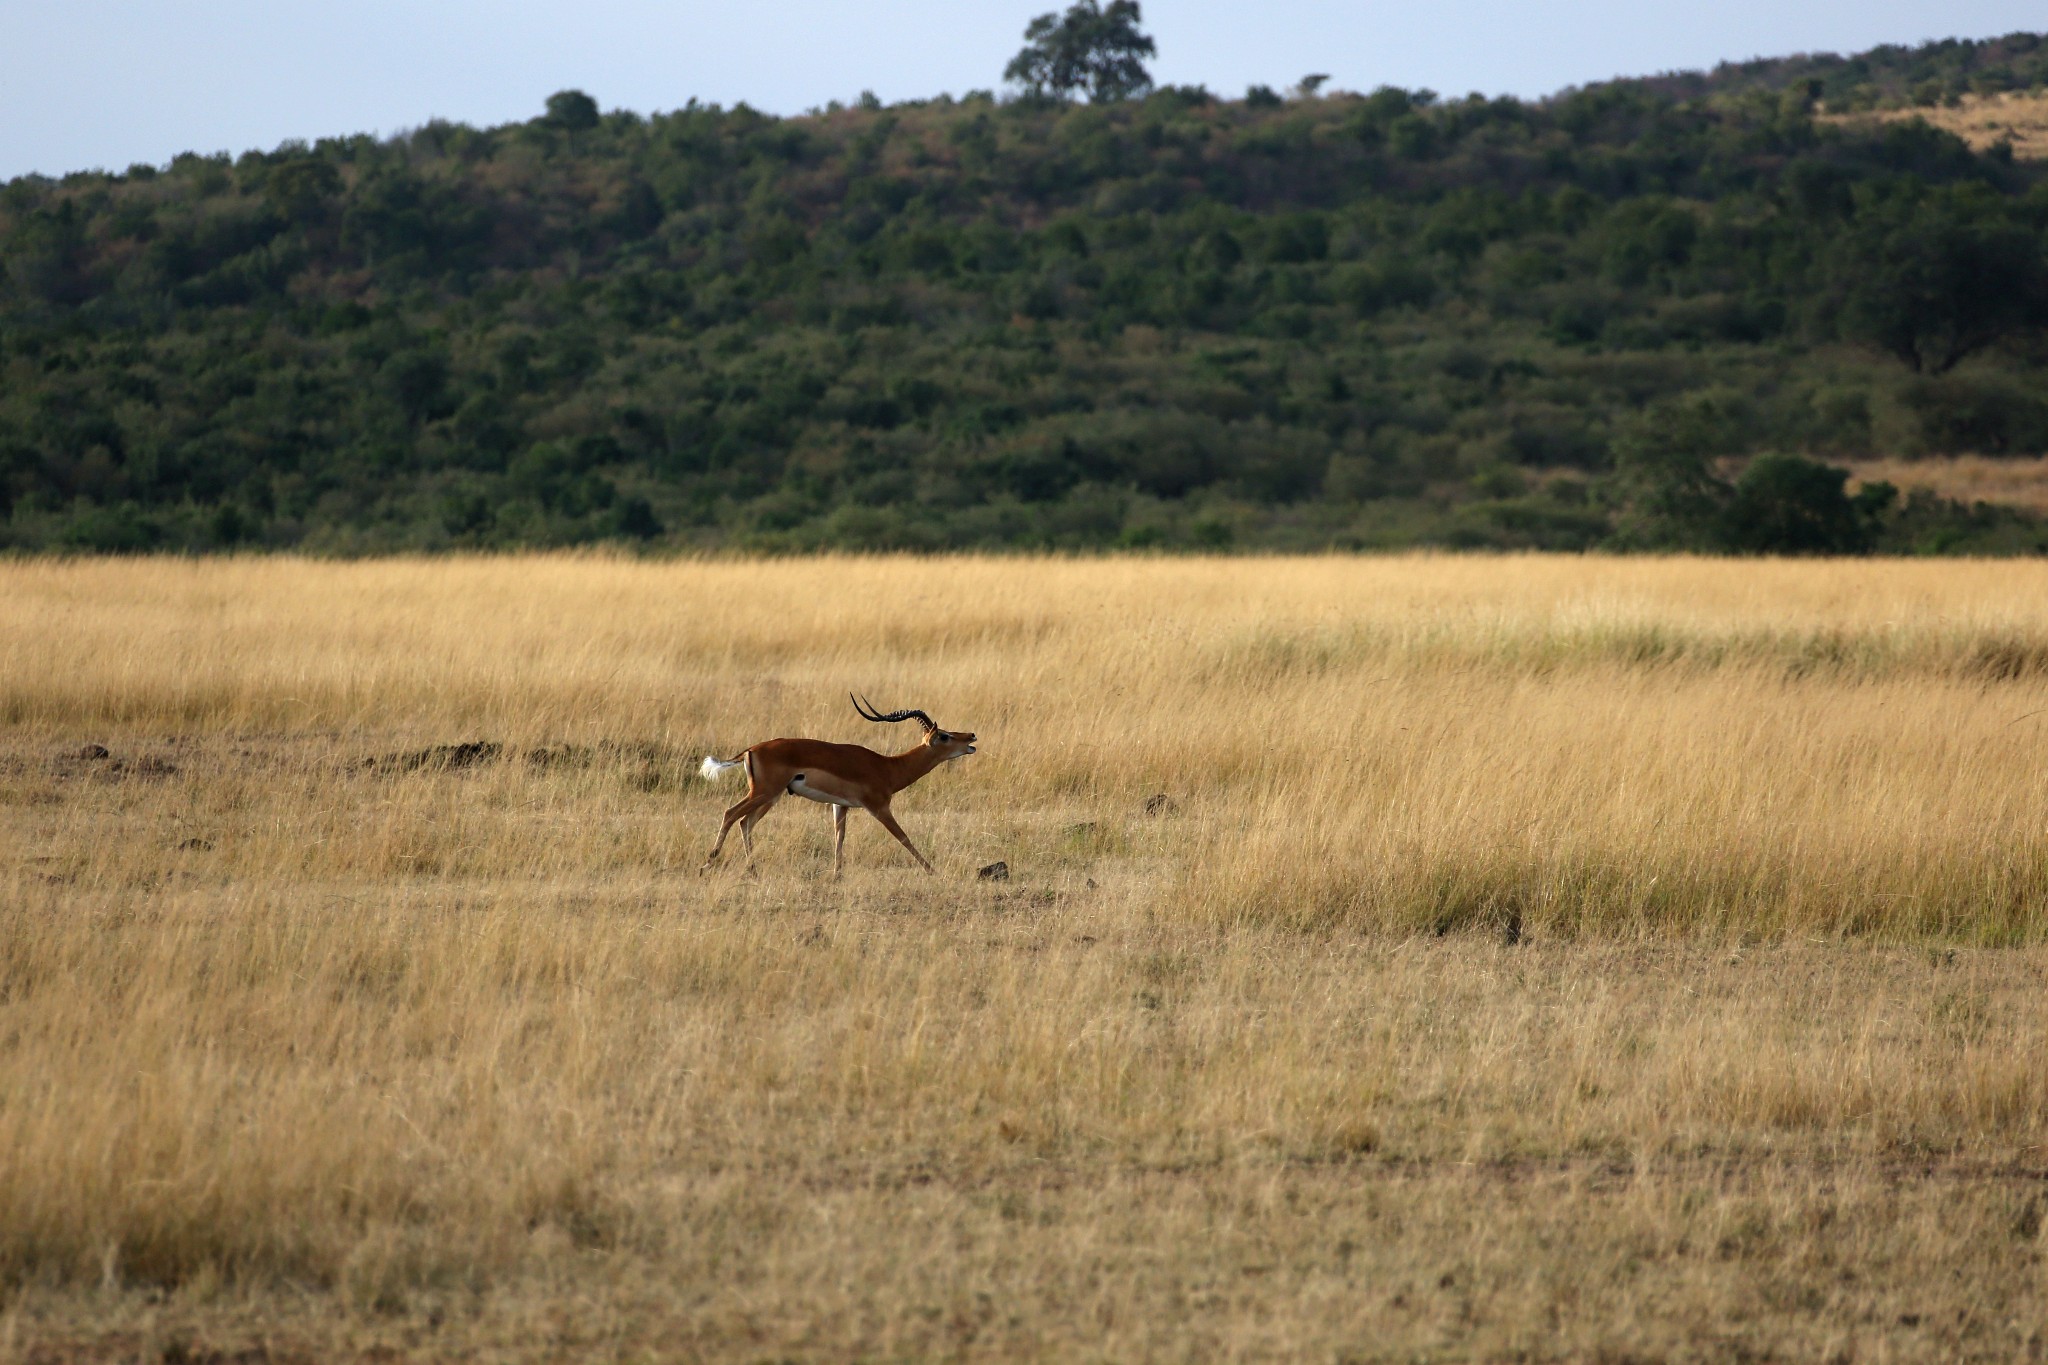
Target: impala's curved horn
<point x="868" y="712"/>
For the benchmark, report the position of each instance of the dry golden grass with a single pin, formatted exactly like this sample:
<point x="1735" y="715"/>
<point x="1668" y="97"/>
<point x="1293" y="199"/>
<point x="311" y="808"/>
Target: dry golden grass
<point x="2019" y="117"/>
<point x="2010" y="481"/>
<point x="1540" y="957"/>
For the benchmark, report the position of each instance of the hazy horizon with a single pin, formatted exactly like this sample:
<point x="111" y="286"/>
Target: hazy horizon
<point x="103" y="84"/>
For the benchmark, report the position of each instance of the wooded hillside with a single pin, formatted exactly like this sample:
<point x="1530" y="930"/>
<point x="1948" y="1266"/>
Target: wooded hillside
<point x="1352" y="320"/>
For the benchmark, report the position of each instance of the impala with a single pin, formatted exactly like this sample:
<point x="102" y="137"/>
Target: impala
<point x="842" y="776"/>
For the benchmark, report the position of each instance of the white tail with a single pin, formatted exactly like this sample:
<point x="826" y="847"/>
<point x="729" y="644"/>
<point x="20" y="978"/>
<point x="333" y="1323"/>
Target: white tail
<point x="714" y="766"/>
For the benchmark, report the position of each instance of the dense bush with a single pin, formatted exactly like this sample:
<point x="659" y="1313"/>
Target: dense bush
<point x="1783" y="504"/>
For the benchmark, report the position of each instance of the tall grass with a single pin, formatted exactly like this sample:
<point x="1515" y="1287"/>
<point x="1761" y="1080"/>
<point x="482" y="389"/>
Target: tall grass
<point x="1579" y="746"/>
<point x="1657" y="889"/>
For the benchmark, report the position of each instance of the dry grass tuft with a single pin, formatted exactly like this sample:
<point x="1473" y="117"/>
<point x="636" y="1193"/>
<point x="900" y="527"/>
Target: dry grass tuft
<point x="1532" y="957"/>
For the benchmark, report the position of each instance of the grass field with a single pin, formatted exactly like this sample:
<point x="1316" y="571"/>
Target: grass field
<point x="2017" y="117"/>
<point x="2004" y="480"/>
<point x="1532" y="958"/>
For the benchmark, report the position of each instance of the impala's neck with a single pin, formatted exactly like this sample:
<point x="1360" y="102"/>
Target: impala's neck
<point x="905" y="768"/>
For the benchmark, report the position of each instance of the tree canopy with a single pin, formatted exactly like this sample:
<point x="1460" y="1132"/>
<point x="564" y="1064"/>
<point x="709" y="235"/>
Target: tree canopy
<point x="572" y="111"/>
<point x="1090" y="47"/>
<point x="1934" y="278"/>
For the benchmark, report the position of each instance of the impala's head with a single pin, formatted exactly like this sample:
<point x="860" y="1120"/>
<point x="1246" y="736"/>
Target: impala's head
<point x="950" y="744"/>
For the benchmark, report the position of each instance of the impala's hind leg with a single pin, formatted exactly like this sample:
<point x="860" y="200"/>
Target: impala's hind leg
<point x="743" y="813"/>
<point x="753" y="817"/>
<point x="732" y="815"/>
<point x="838" y="839"/>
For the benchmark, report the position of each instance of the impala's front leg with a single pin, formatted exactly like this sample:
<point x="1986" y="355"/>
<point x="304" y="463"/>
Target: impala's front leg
<point x="889" y="823"/>
<point x="838" y="839"/>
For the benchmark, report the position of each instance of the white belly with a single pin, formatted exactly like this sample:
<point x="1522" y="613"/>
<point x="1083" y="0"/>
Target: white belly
<point x="798" y="787"/>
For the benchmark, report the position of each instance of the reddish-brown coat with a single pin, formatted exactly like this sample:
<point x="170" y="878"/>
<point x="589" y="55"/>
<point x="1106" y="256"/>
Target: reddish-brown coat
<point x="843" y="776"/>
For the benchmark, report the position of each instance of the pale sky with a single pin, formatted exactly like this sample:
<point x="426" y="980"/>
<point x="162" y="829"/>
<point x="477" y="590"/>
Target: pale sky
<point x="105" y="83"/>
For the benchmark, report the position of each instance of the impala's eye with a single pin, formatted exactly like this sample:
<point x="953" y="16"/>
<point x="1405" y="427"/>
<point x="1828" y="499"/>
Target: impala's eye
<point x="943" y="737"/>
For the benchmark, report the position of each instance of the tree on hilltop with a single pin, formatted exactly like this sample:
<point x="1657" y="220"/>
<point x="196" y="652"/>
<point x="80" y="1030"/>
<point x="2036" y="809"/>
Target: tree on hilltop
<point x="572" y="111"/>
<point x="1091" y="47"/>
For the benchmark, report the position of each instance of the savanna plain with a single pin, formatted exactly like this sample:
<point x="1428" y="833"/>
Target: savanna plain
<point x="1411" y="958"/>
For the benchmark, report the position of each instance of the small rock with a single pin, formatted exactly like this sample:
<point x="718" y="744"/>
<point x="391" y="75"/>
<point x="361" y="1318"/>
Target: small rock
<point x="995" y="872"/>
<point x="1091" y="883"/>
<point x="93" y="751"/>
<point x="1161" y="804"/>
